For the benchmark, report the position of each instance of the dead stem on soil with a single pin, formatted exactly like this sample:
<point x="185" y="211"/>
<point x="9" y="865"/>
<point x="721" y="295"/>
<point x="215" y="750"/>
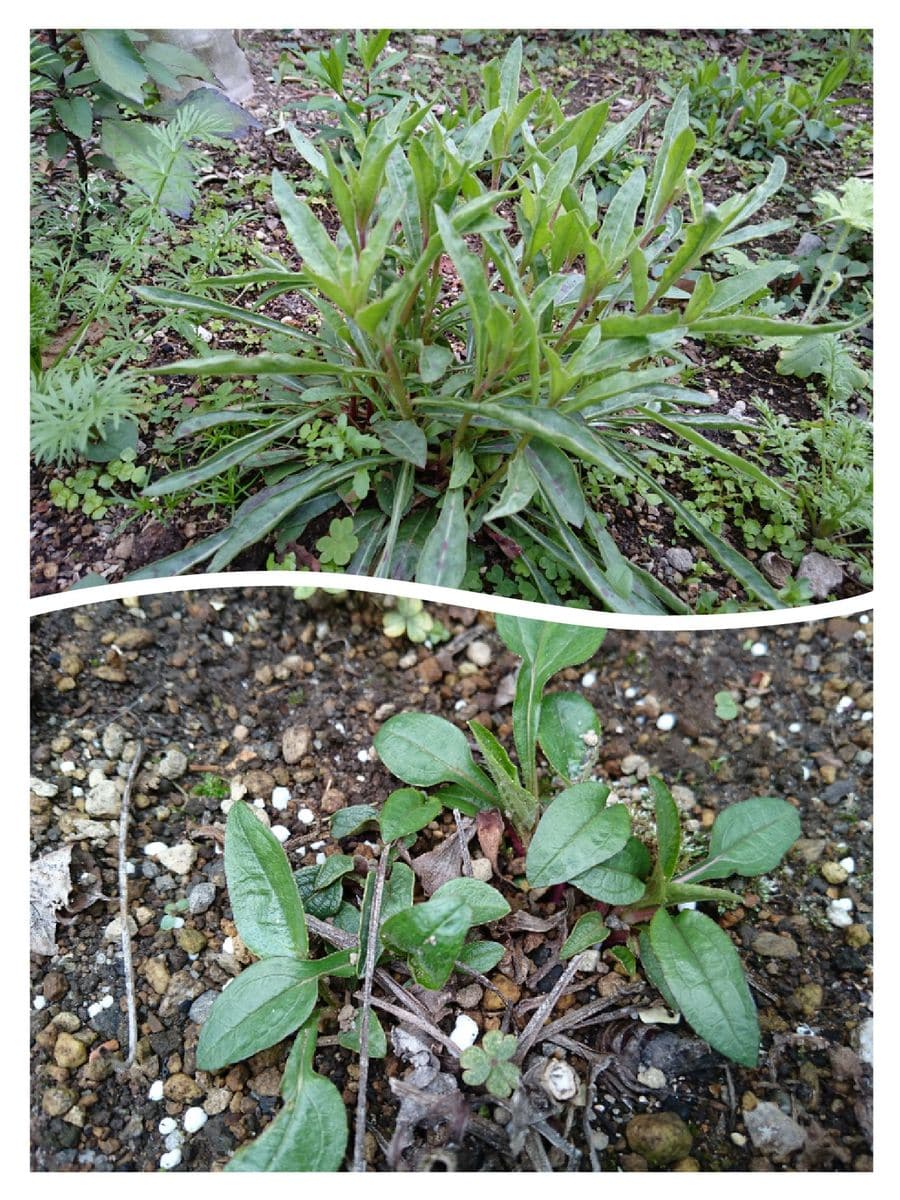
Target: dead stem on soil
<point x="127" y="965"/>
<point x="533" y="1028"/>
<point x="359" y="1133"/>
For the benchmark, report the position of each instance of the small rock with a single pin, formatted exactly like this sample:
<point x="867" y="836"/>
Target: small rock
<point x="55" y="986"/>
<point x="775" y="568"/>
<point x="470" y="996"/>
<point x="824" y="574"/>
<point x="833" y="872"/>
<point x="103" y="800"/>
<point x="838" y="913"/>
<point x="135" y="638"/>
<point x="651" y="1077"/>
<point x="191" y="941"/>
<point x="113" y="741"/>
<point x="465" y="1032"/>
<point x="157" y="975"/>
<point x="857" y="936"/>
<point x="666" y="722"/>
<point x="775" y="945"/>
<point x="481" y="869"/>
<point x="181" y="1089"/>
<point x="807" y="999"/>
<point x="201" y="897"/>
<point x="865" y="1041"/>
<point x="281" y="798"/>
<point x="295" y="743"/>
<point x="173" y="764"/>
<point x="430" y="670"/>
<point x="559" y="1079"/>
<point x="773" y="1131"/>
<point x="636" y="765"/>
<point x="217" y="1100"/>
<point x="69" y="1051"/>
<point x="660" y="1138"/>
<point x="479" y="653"/>
<point x="508" y="989"/>
<point x="680" y="559"/>
<point x="57" y="1101"/>
<point x="200" y="1009"/>
<point x="179" y="858"/>
<point x="113" y="931"/>
<point x="266" y="1083"/>
<point x="194" y="1119"/>
<point x="170" y="1160"/>
<point x="156" y="1091"/>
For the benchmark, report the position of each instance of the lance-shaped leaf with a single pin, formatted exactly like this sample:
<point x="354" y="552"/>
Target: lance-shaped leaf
<point x="576" y="832"/>
<point x="519" y="805"/>
<point x="443" y="558"/>
<point x="589" y="930"/>
<point x="703" y="975"/>
<point x="668" y="829"/>
<point x="749" y="838"/>
<point x="264" y="899"/>
<point x="310" y="1132"/>
<point x="620" y="879"/>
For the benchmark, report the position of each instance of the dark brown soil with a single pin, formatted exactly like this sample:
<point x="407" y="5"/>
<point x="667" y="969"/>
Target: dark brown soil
<point x="222" y="674"/>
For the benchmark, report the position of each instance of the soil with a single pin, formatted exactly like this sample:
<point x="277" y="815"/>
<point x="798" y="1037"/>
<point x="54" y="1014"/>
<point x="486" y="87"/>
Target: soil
<point x="66" y="547"/>
<point x="221" y="675"/>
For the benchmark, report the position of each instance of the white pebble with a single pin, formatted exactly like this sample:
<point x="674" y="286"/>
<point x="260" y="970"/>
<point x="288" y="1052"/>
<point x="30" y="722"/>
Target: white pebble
<point x="589" y="679"/>
<point x="316" y="845"/>
<point x="281" y="797"/>
<point x="228" y="946"/>
<point x="362" y="755"/>
<point x="281" y="832"/>
<point x="759" y="649"/>
<point x="194" y="1119"/>
<point x="838" y="914"/>
<point x="460" y="705"/>
<point x="40" y="1002"/>
<point x="94" y="1010"/>
<point x="666" y="722"/>
<point x="166" y="1125"/>
<point x="153" y="848"/>
<point x="320" y="858"/>
<point x="106" y="1002"/>
<point x="174" y="1140"/>
<point x="630" y="693"/>
<point x="259" y="802"/>
<point x="848" y="864"/>
<point x="228" y="637"/>
<point x="67" y="767"/>
<point x="867" y="716"/>
<point x="156" y="1091"/>
<point x="465" y="1032"/>
<point x="843" y="704"/>
<point x="306" y="816"/>
<point x="794" y="727"/>
<point x="170" y="1160"/>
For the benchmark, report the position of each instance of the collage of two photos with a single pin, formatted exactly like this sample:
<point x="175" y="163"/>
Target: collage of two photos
<point x="451" y="601"/>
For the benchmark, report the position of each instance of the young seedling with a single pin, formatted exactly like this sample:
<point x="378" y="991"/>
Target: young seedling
<point x="490" y="1064"/>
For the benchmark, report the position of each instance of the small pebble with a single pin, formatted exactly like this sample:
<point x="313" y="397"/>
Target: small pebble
<point x="281" y="797"/>
<point x="166" y="1125"/>
<point x="794" y="727"/>
<point x="759" y="649"/>
<point x="838" y="913"/>
<point x="666" y="722"/>
<point x="156" y="1091"/>
<point x="848" y="864"/>
<point x="194" y="1119"/>
<point x="589" y="679"/>
<point x="843" y="704"/>
<point x="170" y="1160"/>
<point x="306" y="816"/>
<point x="281" y="832"/>
<point x="40" y="1002"/>
<point x="465" y="1032"/>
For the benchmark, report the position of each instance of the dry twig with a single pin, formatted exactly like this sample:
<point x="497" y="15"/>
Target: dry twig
<point x="359" y="1133"/>
<point x="127" y="965"/>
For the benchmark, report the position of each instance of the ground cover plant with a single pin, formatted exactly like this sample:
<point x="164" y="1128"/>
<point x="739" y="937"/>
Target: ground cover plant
<point x="266" y="819"/>
<point x="483" y="337"/>
<point x="573" y="838"/>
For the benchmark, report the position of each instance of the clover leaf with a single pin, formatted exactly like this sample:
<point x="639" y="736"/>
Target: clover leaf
<point x="339" y="544"/>
<point x="490" y="1064"/>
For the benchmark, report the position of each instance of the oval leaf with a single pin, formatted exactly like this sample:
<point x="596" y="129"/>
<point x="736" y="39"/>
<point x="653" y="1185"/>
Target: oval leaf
<point x="567" y="732"/>
<point x="576" y="833"/>
<point x="406" y="811"/>
<point x="423" y="750"/>
<point x="589" y="930"/>
<point x="485" y="902"/>
<point x="619" y="880"/>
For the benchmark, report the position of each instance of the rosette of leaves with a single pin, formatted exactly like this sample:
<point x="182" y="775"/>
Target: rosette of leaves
<point x="502" y="327"/>
<point x="491" y="1065"/>
<point x="577" y="835"/>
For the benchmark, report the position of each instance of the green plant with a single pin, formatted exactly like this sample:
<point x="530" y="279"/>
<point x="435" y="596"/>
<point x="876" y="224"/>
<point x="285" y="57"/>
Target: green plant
<point x="76" y="413"/>
<point x="211" y="787"/>
<point x="576" y="837"/>
<point x="498" y="329"/>
<point x="336" y="547"/>
<point x="490" y="1064"/>
<point x="409" y="617"/>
